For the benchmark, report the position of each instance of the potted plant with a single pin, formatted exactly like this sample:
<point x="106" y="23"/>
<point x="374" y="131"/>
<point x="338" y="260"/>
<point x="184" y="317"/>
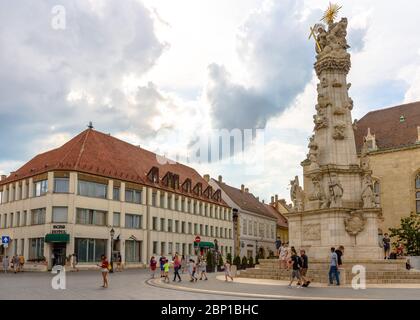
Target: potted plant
<point x="244" y="262"/>
<point x="409" y="235"/>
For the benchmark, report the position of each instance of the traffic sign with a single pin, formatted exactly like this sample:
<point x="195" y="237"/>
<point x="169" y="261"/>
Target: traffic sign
<point x="197" y="239"/>
<point x="5" y="239"/>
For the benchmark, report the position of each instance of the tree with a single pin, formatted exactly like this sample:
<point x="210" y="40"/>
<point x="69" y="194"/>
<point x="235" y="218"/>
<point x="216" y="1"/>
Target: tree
<point x="229" y="258"/>
<point x="256" y="260"/>
<point x="237" y="262"/>
<point x="250" y="262"/>
<point x="408" y="234"/>
<point x="210" y="264"/>
<point x="220" y="262"/>
<point x="244" y="262"/>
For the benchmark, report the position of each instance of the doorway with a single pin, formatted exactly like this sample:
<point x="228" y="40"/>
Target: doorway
<point x="59" y="254"/>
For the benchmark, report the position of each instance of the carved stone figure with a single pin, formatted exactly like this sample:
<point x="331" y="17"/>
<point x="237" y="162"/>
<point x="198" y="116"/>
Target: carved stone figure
<point x="323" y="101"/>
<point x="318" y="192"/>
<point x="297" y="195"/>
<point x="355" y="223"/>
<point x="339" y="131"/>
<point x="368" y="195"/>
<point x="339" y="111"/>
<point x="364" y="158"/>
<point x="321" y="38"/>
<point x="312" y="232"/>
<point x="337" y="84"/>
<point x="336" y="192"/>
<point x="320" y="119"/>
<point x="355" y="124"/>
<point x="350" y="104"/>
<point x="324" y="82"/>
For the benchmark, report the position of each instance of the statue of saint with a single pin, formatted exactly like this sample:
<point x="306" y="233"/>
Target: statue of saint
<point x="297" y="195"/>
<point x="368" y="195"/>
<point x="336" y="192"/>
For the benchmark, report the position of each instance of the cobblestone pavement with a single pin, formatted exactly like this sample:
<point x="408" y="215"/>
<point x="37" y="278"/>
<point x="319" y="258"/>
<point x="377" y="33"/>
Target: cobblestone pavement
<point x="132" y="284"/>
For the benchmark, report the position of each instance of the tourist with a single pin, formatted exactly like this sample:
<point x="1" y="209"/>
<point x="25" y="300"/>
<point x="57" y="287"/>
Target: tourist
<point x="166" y="267"/>
<point x="340" y="253"/>
<point x="203" y="269"/>
<point x="16" y="264"/>
<point x="177" y="266"/>
<point x="119" y="263"/>
<point x="278" y="246"/>
<point x="153" y="264"/>
<point x="162" y="260"/>
<point x="6" y="263"/>
<point x="191" y="270"/>
<point x="296" y="265"/>
<point x="228" y="273"/>
<point x="333" y="268"/>
<point x="283" y="256"/>
<point x="104" y="270"/>
<point x="408" y="264"/>
<point x="387" y="245"/>
<point x="183" y="264"/>
<point x="304" y="268"/>
<point x="400" y="250"/>
<point x="73" y="262"/>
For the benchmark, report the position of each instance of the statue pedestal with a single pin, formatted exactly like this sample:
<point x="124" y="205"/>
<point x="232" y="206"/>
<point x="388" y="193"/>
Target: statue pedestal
<point x="317" y="231"/>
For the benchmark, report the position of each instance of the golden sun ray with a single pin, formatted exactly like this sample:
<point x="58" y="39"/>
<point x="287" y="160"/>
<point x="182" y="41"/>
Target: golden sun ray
<point x="331" y="13"/>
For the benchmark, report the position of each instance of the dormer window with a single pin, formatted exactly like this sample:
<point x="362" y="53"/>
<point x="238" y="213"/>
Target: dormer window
<point x="186" y="186"/>
<point x="153" y="175"/>
<point x="208" y="192"/>
<point x="198" y="189"/>
<point x="217" y="195"/>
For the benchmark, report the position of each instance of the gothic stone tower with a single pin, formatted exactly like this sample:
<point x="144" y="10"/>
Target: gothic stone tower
<point x="336" y="206"/>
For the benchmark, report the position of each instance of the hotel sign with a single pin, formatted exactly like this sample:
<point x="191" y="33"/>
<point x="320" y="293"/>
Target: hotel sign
<point x="58" y="229"/>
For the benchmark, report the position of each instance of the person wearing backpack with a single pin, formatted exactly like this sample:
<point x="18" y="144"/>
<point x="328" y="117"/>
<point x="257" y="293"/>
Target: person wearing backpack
<point x="296" y="264"/>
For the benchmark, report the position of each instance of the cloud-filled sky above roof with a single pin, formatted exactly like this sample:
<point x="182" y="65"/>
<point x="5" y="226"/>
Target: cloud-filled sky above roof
<point x="158" y="73"/>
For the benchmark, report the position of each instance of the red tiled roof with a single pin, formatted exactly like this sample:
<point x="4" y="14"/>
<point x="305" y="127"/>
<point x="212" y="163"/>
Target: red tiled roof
<point x="386" y="126"/>
<point x="281" y="220"/>
<point x="245" y="200"/>
<point x="101" y="154"/>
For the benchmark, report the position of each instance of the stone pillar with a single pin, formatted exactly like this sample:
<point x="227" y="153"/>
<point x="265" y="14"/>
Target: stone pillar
<point x="110" y="190"/>
<point x="31" y="187"/>
<point x="23" y="191"/>
<point x="122" y="192"/>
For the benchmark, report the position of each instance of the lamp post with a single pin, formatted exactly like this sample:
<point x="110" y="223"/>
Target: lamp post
<point x="112" y="233"/>
<point x="216" y="254"/>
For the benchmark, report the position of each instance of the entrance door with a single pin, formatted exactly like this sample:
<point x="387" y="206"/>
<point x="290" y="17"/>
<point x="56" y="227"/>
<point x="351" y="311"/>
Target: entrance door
<point x="59" y="254"/>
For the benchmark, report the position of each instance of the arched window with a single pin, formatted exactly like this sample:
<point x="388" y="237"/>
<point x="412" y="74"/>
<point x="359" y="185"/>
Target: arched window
<point x="418" y="193"/>
<point x="377" y="192"/>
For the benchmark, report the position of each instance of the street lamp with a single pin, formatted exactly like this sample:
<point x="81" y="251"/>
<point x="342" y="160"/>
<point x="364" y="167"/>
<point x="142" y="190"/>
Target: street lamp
<point x="216" y="254"/>
<point x="112" y="233"/>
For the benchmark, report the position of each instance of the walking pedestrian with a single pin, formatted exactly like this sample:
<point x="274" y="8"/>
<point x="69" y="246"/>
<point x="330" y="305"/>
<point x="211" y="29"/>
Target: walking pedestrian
<point x="296" y="265"/>
<point x="166" y="271"/>
<point x="283" y="256"/>
<point x="177" y="266"/>
<point x="104" y="270"/>
<point x="340" y="253"/>
<point x="119" y="263"/>
<point x="387" y="245"/>
<point x="228" y="273"/>
<point x="16" y="264"/>
<point x="191" y="270"/>
<point x="6" y="263"/>
<point x="333" y="268"/>
<point x="162" y="261"/>
<point x="73" y="262"/>
<point x="278" y="246"/>
<point x="153" y="264"/>
<point x="203" y="269"/>
<point x="304" y="268"/>
<point x="183" y="264"/>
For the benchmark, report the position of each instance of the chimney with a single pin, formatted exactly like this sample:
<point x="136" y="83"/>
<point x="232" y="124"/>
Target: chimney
<point x="276" y="197"/>
<point x="242" y="188"/>
<point x="258" y="199"/>
<point x="220" y="179"/>
<point x="263" y="201"/>
<point x="272" y="199"/>
<point x="3" y="177"/>
<point x="206" y="177"/>
<point x="246" y="190"/>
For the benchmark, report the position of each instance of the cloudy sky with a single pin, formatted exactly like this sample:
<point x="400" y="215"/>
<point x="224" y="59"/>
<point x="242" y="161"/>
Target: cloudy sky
<point x="161" y="73"/>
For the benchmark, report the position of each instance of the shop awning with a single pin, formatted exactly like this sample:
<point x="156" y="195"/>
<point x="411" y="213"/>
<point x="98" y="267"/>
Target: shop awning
<point x="57" y="237"/>
<point x="204" y="244"/>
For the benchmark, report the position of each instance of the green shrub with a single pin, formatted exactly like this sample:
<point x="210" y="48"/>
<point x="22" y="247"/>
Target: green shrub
<point x="229" y="258"/>
<point x="244" y="262"/>
<point x="209" y="258"/>
<point x="237" y="261"/>
<point x="250" y="262"/>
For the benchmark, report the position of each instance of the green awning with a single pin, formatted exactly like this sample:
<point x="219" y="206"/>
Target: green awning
<point x="204" y="244"/>
<point x="57" y="237"/>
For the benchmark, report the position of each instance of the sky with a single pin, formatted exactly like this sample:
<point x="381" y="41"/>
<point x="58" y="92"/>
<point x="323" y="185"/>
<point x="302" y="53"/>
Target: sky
<point x="163" y="74"/>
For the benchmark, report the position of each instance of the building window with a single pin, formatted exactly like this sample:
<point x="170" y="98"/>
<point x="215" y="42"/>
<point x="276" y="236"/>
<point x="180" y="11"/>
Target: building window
<point x="116" y="219"/>
<point x="184" y="247"/>
<point x="133" y="221"/>
<point x="92" y="189"/>
<point x="230" y="233"/>
<point x="170" y="207"/>
<point x="244" y="229"/>
<point x="170" y="248"/>
<point x="201" y="229"/>
<point x="36" y="249"/>
<point x="18" y="219"/>
<point x="116" y="194"/>
<point x="90" y="250"/>
<point x="133" y="251"/>
<point x="25" y="218"/>
<point x="211" y="231"/>
<point x="38" y="216"/>
<point x="250" y="227"/>
<point x="255" y="228"/>
<point x="154" y="195"/>
<point x="177" y="248"/>
<point x="162" y="200"/>
<point x="11" y="220"/>
<point x="40" y="188"/>
<point x="183" y="205"/>
<point x="162" y="224"/>
<point x="133" y="196"/>
<point x="190" y="250"/>
<point x="170" y="225"/>
<point x="91" y="217"/>
<point x="195" y="228"/>
<point x="206" y="230"/>
<point x="183" y="227"/>
<point x="59" y="214"/>
<point x="418" y="193"/>
<point x="189" y="227"/>
<point x="162" y="248"/>
<point x="217" y="232"/>
<point x="154" y="224"/>
<point x="61" y="185"/>
<point x="5" y="221"/>
<point x="176" y="226"/>
<point x="155" y="247"/>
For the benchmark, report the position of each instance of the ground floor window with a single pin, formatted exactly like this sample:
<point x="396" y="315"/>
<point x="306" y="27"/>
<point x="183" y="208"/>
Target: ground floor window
<point x="133" y="251"/>
<point x="36" y="249"/>
<point x="90" y="250"/>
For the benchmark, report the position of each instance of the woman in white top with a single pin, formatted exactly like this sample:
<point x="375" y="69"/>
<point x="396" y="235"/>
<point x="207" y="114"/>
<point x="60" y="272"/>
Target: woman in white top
<point x="284" y="254"/>
<point x="227" y="271"/>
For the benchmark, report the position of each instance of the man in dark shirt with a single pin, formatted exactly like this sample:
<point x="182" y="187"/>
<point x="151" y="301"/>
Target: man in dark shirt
<point x="304" y="268"/>
<point x="296" y="265"/>
<point x="340" y="253"/>
<point x="162" y="261"/>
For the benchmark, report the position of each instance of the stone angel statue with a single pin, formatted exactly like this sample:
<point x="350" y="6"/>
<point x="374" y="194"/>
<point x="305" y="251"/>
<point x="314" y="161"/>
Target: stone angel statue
<point x="297" y="195"/>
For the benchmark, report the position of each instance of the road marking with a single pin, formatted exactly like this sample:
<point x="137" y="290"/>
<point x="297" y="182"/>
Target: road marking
<point x="157" y="283"/>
